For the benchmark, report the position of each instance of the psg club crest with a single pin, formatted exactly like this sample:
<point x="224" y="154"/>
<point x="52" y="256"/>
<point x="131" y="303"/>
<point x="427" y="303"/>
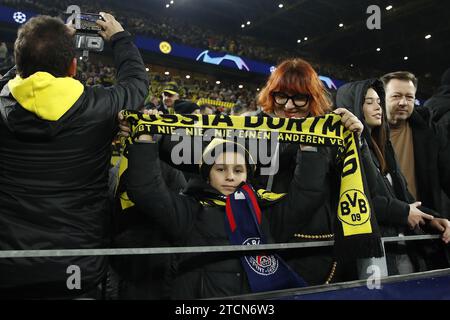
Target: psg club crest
<point x="261" y="264"/>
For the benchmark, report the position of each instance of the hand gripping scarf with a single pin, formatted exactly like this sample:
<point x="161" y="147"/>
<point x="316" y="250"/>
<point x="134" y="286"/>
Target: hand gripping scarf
<point x="356" y="231"/>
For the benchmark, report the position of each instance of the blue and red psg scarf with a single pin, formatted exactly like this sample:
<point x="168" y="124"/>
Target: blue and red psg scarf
<point x="265" y="272"/>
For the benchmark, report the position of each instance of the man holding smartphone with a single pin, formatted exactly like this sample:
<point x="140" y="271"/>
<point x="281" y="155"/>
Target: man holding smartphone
<point x="55" y="147"/>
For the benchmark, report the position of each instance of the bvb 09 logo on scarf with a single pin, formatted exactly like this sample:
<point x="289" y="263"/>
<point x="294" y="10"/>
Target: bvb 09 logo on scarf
<point x="354" y="208"/>
<point x="263" y="265"/>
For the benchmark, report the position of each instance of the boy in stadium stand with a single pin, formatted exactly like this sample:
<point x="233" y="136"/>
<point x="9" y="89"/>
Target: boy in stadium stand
<point x="55" y="146"/>
<point x="197" y="217"/>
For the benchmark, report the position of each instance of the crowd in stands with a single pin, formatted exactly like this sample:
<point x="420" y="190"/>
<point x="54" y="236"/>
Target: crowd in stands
<point x="96" y="74"/>
<point x="182" y="31"/>
<point x="244" y="99"/>
<point x="197" y="89"/>
<point x="6" y="57"/>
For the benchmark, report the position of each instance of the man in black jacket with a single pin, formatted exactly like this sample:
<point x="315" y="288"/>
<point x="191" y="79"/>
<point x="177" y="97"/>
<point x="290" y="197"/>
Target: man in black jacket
<point x="439" y="103"/>
<point x="55" y="147"/>
<point x="420" y="145"/>
<point x="439" y="106"/>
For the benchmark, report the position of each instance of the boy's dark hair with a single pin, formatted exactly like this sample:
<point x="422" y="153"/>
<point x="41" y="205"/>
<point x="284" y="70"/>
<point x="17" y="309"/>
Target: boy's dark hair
<point x="400" y="75"/>
<point x="44" y="44"/>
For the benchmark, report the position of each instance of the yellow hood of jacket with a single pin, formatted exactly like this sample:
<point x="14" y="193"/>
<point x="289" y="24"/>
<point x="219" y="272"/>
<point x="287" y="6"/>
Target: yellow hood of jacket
<point x="45" y="95"/>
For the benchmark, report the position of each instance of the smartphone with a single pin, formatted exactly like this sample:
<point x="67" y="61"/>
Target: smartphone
<point x="87" y="22"/>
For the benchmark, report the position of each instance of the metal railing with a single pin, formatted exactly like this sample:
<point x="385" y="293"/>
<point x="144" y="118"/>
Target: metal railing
<point x="178" y="250"/>
<point x="279" y="294"/>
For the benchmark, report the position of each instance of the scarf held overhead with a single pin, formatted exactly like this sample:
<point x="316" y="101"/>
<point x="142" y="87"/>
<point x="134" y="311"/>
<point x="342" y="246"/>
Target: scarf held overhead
<point x="356" y="234"/>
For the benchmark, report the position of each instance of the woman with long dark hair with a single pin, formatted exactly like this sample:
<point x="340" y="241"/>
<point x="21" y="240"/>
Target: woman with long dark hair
<point x="397" y="212"/>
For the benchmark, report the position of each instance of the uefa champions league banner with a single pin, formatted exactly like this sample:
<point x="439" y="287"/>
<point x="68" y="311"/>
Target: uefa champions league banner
<point x="221" y="59"/>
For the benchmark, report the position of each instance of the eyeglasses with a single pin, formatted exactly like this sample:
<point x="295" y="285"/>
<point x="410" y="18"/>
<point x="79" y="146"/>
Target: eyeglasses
<point x="299" y="100"/>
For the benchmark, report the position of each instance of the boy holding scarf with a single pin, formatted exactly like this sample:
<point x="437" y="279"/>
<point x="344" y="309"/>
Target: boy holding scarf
<point x="222" y="208"/>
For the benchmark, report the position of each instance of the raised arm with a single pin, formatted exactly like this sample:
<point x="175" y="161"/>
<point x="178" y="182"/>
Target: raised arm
<point x="132" y="84"/>
<point x="146" y="188"/>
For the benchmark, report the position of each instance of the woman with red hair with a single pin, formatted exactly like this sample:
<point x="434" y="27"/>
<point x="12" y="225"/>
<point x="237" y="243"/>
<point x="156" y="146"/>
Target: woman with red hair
<point x="294" y="90"/>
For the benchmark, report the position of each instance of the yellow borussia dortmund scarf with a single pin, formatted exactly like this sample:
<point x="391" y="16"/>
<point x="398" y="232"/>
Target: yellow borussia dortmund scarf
<point x="356" y="234"/>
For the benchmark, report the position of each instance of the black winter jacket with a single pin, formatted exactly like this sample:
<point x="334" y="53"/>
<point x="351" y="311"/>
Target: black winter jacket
<point x="431" y="156"/>
<point x="54" y="158"/>
<point x="439" y="105"/>
<point x="186" y="222"/>
<point x="143" y="276"/>
<point x="315" y="263"/>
